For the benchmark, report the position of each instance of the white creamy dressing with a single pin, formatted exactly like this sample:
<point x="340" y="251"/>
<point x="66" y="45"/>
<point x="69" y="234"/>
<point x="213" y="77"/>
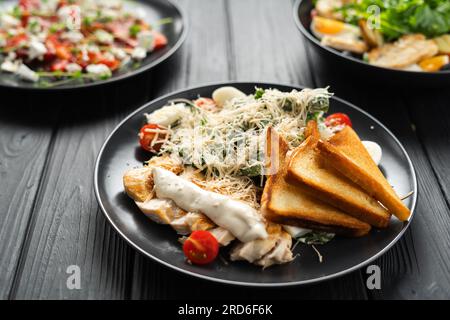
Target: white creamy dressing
<point x="237" y="217"/>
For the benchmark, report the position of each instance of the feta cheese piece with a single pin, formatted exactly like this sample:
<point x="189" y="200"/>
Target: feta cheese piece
<point x="109" y="13"/>
<point x="72" y="36"/>
<point x="98" y="70"/>
<point x="104" y="36"/>
<point x="119" y="53"/>
<point x="111" y="4"/>
<point x="71" y="16"/>
<point x="146" y="40"/>
<point x="27" y="74"/>
<point x="139" y="53"/>
<point x="8" y="21"/>
<point x="125" y="61"/>
<point x="10" y="66"/>
<point x="73" y="67"/>
<point x="36" y="50"/>
<point x="325" y="132"/>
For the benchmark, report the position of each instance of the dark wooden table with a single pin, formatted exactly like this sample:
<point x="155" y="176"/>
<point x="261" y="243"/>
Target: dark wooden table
<point x="49" y="217"/>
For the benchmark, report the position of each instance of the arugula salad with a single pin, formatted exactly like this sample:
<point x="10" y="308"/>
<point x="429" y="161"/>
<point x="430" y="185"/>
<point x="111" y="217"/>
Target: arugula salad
<point x="53" y="42"/>
<point x="409" y="35"/>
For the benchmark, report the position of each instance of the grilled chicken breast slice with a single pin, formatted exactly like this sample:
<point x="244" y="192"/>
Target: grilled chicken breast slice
<point x="404" y="52"/>
<point x="138" y="183"/>
<point x="345" y="44"/>
<point x="275" y="249"/>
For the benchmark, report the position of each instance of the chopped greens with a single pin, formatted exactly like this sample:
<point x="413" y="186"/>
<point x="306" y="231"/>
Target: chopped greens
<point x="316" y="237"/>
<point x="259" y="93"/>
<point x="400" y="17"/>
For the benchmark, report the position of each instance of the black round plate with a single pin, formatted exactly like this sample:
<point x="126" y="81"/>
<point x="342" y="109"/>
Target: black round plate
<point x="155" y="10"/>
<point x="121" y="152"/>
<point x="357" y="67"/>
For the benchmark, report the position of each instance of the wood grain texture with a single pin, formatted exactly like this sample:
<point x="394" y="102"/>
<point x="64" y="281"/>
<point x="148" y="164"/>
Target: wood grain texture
<point x="418" y="266"/>
<point x="24" y="148"/>
<point x="68" y="227"/>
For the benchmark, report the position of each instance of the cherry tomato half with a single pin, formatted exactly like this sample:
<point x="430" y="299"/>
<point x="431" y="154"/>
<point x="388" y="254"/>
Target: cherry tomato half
<point x="338" y="119"/>
<point x="160" y="40"/>
<point x="16" y="41"/>
<point x="201" y="247"/>
<point x="113" y="64"/>
<point x="63" y="52"/>
<point x="59" y="65"/>
<point x="146" y="136"/>
<point x="205" y="103"/>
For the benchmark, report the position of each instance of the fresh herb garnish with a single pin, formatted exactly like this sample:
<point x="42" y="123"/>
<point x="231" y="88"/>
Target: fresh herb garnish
<point x="400" y="17"/>
<point x="259" y="93"/>
<point x="134" y="30"/>
<point x="316" y="237"/>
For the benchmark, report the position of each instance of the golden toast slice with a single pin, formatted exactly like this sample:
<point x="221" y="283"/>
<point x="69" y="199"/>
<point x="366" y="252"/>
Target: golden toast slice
<point x="345" y="152"/>
<point x="288" y="204"/>
<point x="307" y="169"/>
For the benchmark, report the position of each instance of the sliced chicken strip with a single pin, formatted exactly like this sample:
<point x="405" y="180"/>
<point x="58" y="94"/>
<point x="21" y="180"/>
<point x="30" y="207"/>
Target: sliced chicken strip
<point x="253" y="250"/>
<point x="191" y="222"/>
<point x="223" y="236"/>
<point x="280" y="254"/>
<point x="257" y="249"/>
<point x="345" y="44"/>
<point x="138" y="183"/>
<point x="163" y="211"/>
<point x="404" y="52"/>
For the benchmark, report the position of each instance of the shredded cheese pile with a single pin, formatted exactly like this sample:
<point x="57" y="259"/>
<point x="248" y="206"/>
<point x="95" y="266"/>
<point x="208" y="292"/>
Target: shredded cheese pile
<point x="230" y="141"/>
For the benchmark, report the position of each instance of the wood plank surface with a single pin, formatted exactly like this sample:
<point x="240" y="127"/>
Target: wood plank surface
<point x="68" y="227"/>
<point x="24" y="150"/>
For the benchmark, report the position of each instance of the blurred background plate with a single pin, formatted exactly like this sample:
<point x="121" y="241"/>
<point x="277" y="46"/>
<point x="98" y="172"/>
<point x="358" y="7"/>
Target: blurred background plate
<point x="154" y="10"/>
<point x="121" y="152"/>
<point x="353" y="67"/>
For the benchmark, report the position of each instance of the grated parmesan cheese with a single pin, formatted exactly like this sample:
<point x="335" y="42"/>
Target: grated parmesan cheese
<point x="230" y="142"/>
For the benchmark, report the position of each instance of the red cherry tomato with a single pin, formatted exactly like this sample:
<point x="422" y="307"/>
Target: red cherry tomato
<point x="338" y="119"/>
<point x="29" y="4"/>
<point x="59" y="65"/>
<point x="146" y="136"/>
<point x="16" y="41"/>
<point x="201" y="247"/>
<point x="205" y="103"/>
<point x="63" y="52"/>
<point x="160" y="40"/>
<point x="112" y="64"/>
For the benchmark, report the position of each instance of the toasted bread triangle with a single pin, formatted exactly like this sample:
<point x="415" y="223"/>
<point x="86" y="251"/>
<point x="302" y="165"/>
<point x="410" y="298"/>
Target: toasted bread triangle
<point x="345" y="152"/>
<point x="306" y="169"/>
<point x="288" y="204"/>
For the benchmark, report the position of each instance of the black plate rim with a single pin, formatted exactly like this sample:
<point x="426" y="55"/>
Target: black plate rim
<point x="306" y="33"/>
<point x="243" y="283"/>
<point x="122" y="77"/>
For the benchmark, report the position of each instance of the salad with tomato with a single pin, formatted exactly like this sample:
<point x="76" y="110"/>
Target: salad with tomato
<point x="51" y="42"/>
